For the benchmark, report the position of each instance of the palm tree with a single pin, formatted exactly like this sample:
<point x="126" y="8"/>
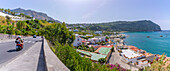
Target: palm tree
<point x="13" y="13"/>
<point x="6" y="10"/>
<point x="1" y="9"/>
<point x="9" y="11"/>
<point x="21" y="14"/>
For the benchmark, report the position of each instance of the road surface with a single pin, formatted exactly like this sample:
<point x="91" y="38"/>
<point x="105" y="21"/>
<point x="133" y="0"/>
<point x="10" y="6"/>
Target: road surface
<point x="8" y="51"/>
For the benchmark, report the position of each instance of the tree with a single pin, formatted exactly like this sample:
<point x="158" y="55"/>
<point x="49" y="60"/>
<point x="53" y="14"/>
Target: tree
<point x="13" y="13"/>
<point x="1" y="9"/>
<point x="6" y="10"/>
<point x="107" y="37"/>
<point x="92" y="49"/>
<point x="102" y="60"/>
<point x="112" y="49"/>
<point x="58" y="32"/>
<point x="21" y="25"/>
<point x="8" y="18"/>
<point x="159" y="65"/>
<point x="8" y="23"/>
<point x="11" y="29"/>
<point x="22" y="14"/>
<point x="18" y="32"/>
<point x="9" y="11"/>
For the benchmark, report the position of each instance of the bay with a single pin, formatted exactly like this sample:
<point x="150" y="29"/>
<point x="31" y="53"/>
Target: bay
<point x="155" y="44"/>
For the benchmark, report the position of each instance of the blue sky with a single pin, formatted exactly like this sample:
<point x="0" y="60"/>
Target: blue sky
<point x="89" y="11"/>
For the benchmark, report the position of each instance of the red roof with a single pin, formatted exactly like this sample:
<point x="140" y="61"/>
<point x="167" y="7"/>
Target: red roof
<point x="83" y="41"/>
<point x="133" y="48"/>
<point x="107" y="46"/>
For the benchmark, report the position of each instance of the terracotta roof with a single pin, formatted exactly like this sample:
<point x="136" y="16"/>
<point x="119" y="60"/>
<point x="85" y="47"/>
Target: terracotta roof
<point x="133" y="48"/>
<point x="83" y="41"/>
<point x="98" y="46"/>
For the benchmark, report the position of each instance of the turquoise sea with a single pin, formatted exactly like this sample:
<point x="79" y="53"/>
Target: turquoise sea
<point x="154" y="44"/>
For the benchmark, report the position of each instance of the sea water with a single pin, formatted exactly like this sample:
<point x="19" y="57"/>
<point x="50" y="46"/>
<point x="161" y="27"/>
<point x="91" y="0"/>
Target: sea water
<point x="152" y="42"/>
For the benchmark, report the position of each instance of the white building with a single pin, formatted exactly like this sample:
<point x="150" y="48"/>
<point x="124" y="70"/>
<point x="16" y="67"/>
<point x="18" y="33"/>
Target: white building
<point x="130" y="56"/>
<point x="75" y="30"/>
<point x="142" y="63"/>
<point x="77" y="41"/>
<point x="89" y="35"/>
<point x="15" y="18"/>
<point x="97" y="39"/>
<point x="102" y="38"/>
<point x="98" y="32"/>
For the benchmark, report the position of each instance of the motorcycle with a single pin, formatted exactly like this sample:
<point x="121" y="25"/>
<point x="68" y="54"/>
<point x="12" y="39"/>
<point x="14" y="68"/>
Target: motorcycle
<point x="18" y="45"/>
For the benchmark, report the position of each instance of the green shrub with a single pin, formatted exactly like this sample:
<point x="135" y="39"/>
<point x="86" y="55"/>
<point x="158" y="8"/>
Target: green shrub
<point x="102" y="60"/>
<point x="3" y="21"/>
<point x="112" y="49"/>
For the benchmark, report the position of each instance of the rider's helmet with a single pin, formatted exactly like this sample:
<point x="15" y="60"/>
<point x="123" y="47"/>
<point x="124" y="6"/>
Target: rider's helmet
<point x="19" y="36"/>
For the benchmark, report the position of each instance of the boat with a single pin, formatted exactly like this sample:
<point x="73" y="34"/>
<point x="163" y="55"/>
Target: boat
<point x="161" y="35"/>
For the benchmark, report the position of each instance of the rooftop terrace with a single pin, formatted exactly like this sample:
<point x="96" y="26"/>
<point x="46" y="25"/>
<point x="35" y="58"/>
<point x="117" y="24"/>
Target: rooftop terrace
<point x="130" y="54"/>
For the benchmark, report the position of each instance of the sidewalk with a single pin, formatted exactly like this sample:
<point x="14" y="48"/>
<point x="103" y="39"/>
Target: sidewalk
<point x="28" y="61"/>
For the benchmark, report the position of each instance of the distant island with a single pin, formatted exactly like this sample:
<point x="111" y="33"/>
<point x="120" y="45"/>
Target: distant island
<point x="130" y="26"/>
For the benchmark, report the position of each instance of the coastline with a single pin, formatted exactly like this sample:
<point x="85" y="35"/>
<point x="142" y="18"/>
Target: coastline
<point x="166" y="57"/>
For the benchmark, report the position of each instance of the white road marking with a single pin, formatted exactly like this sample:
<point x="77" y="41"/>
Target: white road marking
<point x="33" y="42"/>
<point x="29" y="41"/>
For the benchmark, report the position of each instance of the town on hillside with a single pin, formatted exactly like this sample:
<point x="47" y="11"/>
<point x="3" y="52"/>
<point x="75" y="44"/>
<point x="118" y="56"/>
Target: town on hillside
<point x="111" y="49"/>
<point x="14" y="15"/>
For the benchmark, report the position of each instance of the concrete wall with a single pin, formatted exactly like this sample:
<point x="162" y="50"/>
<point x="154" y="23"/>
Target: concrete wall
<point x="7" y="36"/>
<point x="52" y="61"/>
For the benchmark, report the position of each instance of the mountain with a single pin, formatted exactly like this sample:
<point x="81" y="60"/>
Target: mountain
<point x="37" y="15"/>
<point x="131" y="26"/>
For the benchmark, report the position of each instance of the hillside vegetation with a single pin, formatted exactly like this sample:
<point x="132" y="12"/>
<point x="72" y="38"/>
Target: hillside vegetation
<point x="131" y="26"/>
<point x="37" y="15"/>
<point x="27" y="27"/>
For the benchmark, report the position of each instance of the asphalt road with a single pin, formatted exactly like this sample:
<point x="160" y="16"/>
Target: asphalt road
<point x="8" y="49"/>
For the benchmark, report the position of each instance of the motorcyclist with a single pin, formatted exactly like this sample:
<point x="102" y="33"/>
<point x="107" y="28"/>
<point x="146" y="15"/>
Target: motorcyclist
<point x="19" y="41"/>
